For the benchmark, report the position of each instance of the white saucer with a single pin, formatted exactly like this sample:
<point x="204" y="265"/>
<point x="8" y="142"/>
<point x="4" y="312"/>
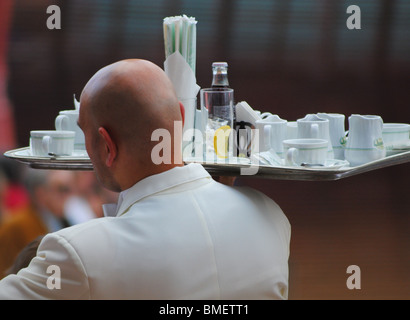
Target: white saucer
<point x="397" y="148"/>
<point x="77" y="154"/>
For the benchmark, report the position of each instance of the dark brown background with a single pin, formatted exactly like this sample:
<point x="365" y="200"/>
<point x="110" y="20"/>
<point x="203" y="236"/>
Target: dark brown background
<point x="286" y="57"/>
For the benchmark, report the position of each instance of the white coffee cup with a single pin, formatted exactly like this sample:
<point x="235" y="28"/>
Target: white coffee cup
<point x="67" y="121"/>
<point x="314" y="127"/>
<point x="278" y="131"/>
<point x="395" y="134"/>
<point x="51" y="142"/>
<point x="336" y="132"/>
<point x="305" y="151"/>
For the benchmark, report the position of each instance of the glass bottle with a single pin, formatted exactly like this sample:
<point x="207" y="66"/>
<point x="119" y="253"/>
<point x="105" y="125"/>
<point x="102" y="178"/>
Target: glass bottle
<point x="222" y="104"/>
<point x="218" y="101"/>
<point x="220" y="82"/>
<point x="220" y="75"/>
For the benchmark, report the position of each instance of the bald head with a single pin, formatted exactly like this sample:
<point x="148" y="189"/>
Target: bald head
<point x="130" y="99"/>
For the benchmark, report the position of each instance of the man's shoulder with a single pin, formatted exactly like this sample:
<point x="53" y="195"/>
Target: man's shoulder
<point x="242" y="196"/>
<point x="241" y="191"/>
<point x="87" y="229"/>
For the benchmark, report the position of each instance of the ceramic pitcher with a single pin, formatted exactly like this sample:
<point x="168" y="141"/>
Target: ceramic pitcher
<point x="278" y="130"/>
<point x="365" y="139"/>
<point x="313" y="126"/>
<point x="336" y="131"/>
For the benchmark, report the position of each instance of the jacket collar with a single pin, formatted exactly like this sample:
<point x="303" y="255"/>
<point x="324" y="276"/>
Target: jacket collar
<point x="155" y="184"/>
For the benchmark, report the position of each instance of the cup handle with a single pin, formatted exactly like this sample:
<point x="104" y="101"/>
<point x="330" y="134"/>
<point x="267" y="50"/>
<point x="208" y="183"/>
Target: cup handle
<point x="61" y="122"/>
<point x="46" y="144"/>
<point x="290" y="156"/>
<point x="314" y="131"/>
<point x="265" y="115"/>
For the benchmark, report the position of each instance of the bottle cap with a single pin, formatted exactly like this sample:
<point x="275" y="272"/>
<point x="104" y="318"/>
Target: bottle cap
<point x="219" y="64"/>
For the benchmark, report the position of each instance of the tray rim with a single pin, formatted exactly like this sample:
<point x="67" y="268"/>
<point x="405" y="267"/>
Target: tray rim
<point x="63" y="163"/>
<point x="267" y="172"/>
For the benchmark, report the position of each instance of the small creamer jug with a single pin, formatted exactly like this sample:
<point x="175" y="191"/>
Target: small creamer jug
<point x="365" y="141"/>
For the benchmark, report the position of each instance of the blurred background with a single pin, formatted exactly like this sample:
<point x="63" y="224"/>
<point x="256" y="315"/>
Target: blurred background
<point x="289" y="57"/>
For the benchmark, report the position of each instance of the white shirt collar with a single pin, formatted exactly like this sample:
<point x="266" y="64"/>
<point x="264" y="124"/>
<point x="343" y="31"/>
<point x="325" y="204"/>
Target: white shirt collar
<point x="154" y="184"/>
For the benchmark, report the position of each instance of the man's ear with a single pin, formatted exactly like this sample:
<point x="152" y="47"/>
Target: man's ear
<point x="182" y="108"/>
<point x="110" y="147"/>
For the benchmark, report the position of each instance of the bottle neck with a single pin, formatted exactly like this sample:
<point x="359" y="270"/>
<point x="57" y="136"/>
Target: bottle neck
<point x="220" y="77"/>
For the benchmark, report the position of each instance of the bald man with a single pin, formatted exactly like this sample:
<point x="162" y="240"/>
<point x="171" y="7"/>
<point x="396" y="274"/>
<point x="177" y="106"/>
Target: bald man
<point x="121" y="106"/>
<point x="175" y="233"/>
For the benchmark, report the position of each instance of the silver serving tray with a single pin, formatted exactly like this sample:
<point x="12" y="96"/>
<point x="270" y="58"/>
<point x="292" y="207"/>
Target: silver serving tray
<point x="81" y="161"/>
<point x="78" y="161"/>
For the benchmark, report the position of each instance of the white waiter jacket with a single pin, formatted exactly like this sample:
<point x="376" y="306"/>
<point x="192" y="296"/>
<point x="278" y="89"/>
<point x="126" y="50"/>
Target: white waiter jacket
<point x="175" y="235"/>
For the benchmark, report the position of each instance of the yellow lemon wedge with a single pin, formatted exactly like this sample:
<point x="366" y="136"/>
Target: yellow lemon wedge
<point x="221" y="138"/>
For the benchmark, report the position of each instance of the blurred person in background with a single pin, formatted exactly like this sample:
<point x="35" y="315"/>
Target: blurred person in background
<point x="24" y="257"/>
<point x="3" y="186"/>
<point x="86" y="203"/>
<point x="13" y="197"/>
<point x="48" y="191"/>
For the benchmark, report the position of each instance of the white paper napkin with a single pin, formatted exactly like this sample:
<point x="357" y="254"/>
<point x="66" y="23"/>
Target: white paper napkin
<point x="182" y="76"/>
<point x="184" y="81"/>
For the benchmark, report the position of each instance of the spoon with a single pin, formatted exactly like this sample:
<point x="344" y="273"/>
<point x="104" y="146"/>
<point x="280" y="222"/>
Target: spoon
<point x="304" y="164"/>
